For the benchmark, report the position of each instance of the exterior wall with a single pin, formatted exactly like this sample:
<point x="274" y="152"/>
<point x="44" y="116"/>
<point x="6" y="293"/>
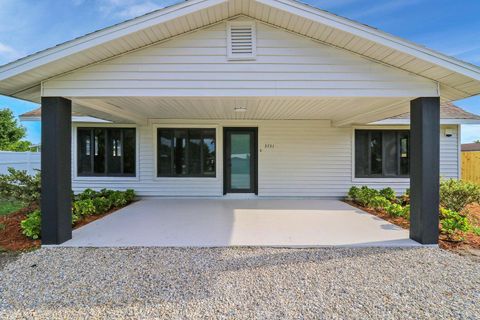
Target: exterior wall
<point x="309" y="158"/>
<point x="196" y="64"/>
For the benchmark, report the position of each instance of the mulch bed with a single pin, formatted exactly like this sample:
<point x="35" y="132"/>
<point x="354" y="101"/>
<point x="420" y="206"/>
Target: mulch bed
<point x="12" y="239"/>
<point x="471" y="241"/>
<point x="399" y="221"/>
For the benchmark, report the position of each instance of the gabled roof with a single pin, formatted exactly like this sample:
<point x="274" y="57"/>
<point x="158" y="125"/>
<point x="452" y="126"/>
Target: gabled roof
<point x="36" y="114"/>
<point x="449" y="114"/>
<point x="470" y="147"/>
<point x="22" y="78"/>
<point x="447" y="111"/>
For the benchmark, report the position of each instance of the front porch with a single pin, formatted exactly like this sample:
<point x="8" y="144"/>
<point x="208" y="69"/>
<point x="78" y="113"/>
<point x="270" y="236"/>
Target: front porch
<point x="239" y="222"/>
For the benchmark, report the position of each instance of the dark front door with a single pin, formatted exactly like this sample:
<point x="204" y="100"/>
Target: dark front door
<point x="240" y="160"/>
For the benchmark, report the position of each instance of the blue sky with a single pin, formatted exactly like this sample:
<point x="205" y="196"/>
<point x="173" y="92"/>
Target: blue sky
<point x="451" y="27"/>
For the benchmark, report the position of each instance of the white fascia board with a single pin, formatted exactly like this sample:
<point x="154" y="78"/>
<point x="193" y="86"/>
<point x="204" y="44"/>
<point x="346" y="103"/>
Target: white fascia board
<point x="105" y="35"/>
<point x="375" y="35"/>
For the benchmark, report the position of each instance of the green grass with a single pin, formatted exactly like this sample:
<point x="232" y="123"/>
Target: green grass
<point x="8" y="206"/>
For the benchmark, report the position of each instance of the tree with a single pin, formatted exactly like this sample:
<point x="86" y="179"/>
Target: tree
<point x="12" y="133"/>
<point x="476" y="141"/>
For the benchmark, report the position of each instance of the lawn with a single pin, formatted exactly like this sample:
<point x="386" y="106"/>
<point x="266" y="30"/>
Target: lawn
<point x="9" y="206"/>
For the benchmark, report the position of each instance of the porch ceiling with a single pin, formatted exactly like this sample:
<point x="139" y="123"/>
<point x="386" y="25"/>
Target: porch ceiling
<point x="341" y="111"/>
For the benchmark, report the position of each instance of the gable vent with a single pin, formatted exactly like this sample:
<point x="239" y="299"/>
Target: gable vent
<point x="241" y="39"/>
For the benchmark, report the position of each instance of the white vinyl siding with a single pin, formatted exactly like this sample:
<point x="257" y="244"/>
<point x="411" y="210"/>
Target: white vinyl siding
<point x="305" y="158"/>
<point x="197" y="64"/>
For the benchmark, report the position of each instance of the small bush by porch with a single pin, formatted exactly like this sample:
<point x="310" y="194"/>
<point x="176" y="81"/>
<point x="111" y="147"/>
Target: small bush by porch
<point x="20" y="216"/>
<point x="459" y="211"/>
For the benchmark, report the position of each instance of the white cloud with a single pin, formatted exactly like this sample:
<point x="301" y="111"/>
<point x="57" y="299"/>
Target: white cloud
<point x="138" y="10"/>
<point x="8" y="53"/>
<point x="127" y="9"/>
<point x="381" y="9"/>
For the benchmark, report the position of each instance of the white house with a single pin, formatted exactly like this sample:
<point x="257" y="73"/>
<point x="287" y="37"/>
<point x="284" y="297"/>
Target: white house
<point x="266" y="97"/>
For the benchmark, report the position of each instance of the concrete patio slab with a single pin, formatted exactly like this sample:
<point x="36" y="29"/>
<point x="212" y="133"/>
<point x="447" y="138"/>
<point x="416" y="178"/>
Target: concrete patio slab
<point x="239" y="222"/>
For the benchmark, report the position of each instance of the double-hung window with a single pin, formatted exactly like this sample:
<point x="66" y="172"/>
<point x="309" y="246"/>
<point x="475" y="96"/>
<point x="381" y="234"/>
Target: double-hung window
<point x="106" y="152"/>
<point x="382" y="153"/>
<point x="186" y="152"/>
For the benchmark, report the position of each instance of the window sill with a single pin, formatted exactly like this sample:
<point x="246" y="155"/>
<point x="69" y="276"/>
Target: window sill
<point x="381" y="180"/>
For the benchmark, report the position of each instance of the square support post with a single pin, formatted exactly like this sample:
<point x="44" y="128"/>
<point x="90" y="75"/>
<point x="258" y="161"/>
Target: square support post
<point x="424" y="169"/>
<point x="56" y="200"/>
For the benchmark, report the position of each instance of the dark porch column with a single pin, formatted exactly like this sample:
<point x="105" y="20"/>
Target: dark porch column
<point x="424" y="169"/>
<point x="56" y="199"/>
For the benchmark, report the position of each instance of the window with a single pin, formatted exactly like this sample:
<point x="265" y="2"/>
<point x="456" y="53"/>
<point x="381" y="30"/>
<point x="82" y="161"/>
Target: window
<point x="106" y="151"/>
<point x="382" y="153"/>
<point x="186" y="152"/>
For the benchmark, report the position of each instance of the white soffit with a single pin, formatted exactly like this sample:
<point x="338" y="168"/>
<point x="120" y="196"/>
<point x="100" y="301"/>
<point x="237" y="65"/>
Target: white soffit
<point x="22" y="78"/>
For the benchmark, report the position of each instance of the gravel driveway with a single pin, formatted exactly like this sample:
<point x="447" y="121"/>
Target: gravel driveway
<point x="240" y="283"/>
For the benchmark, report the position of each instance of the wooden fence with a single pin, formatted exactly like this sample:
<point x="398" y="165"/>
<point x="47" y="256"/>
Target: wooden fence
<point x="471" y="166"/>
<point x="28" y="161"/>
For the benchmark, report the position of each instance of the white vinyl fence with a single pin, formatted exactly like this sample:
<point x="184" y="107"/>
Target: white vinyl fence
<point x="19" y="160"/>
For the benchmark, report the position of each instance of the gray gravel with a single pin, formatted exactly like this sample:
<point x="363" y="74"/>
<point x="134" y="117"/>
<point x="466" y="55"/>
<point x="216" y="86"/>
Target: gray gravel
<point x="7" y="257"/>
<point x="240" y="283"/>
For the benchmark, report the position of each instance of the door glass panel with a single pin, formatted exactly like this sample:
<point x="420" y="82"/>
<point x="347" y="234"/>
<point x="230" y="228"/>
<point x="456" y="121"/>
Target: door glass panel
<point x="240" y="161"/>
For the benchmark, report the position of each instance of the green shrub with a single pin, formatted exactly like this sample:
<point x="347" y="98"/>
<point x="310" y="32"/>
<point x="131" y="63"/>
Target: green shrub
<point x="475" y="230"/>
<point x="406" y="212"/>
<point x="389" y="194"/>
<point x="130" y="195"/>
<point x="395" y="210"/>
<point x="452" y="223"/>
<point x="379" y="202"/>
<point x="118" y="199"/>
<point x="31" y="226"/>
<point x="84" y="207"/>
<point x="365" y="195"/>
<point x="353" y="193"/>
<point x="87" y="194"/>
<point x="106" y="193"/>
<point x="75" y="218"/>
<point x="455" y="194"/>
<point x="102" y="205"/>
<point x="19" y="185"/>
